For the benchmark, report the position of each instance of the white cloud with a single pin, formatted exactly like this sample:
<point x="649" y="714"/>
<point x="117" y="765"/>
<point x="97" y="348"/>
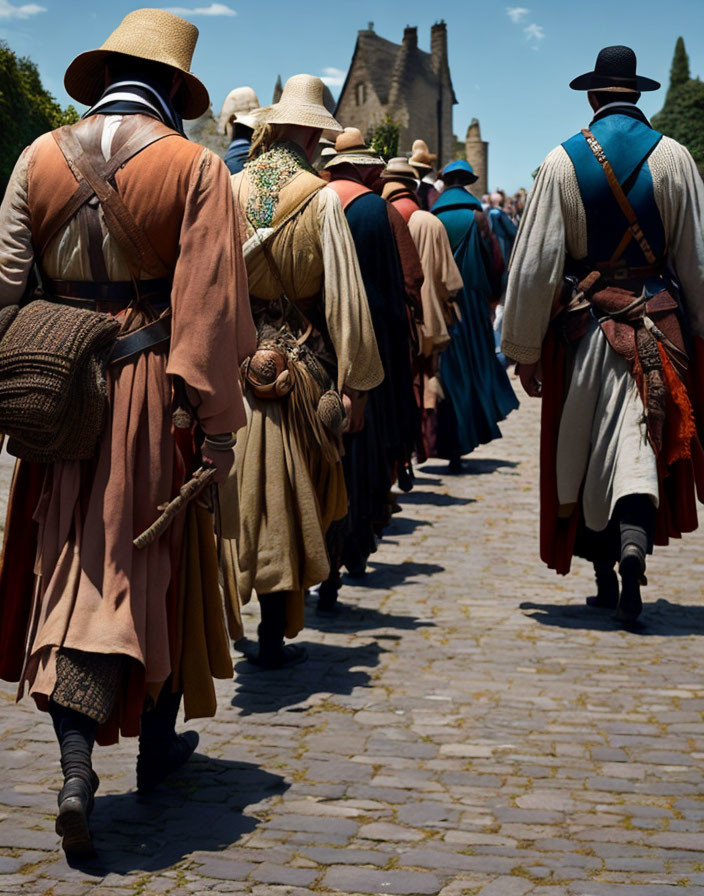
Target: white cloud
<point x="534" y="33"/>
<point x="215" y="9"/>
<point x="516" y="13"/>
<point x="24" y="11"/>
<point x="333" y="77"/>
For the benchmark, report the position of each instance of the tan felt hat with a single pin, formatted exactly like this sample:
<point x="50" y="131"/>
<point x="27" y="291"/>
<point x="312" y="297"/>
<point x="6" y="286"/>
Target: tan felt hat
<point x="399" y="169"/>
<point x="152" y="34"/>
<point x="422" y="146"/>
<point x="301" y="104"/>
<point x="351" y="149"/>
<point x="238" y="106"/>
<point x="423" y="160"/>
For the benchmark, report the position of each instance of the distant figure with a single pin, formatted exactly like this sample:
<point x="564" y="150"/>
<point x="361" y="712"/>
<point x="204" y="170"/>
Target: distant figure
<point x="423" y="163"/>
<point x="237" y="122"/>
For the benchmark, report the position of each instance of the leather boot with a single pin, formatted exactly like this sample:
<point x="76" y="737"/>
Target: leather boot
<point x="607" y="592"/>
<point x="632" y="570"/>
<point x="273" y="653"/>
<point x="328" y="594"/>
<point x="76" y="735"/>
<point x="161" y="750"/>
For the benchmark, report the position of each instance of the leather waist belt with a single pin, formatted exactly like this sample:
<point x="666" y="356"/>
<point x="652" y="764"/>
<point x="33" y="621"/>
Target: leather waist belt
<point x="120" y="293"/>
<point x="156" y="333"/>
<point x="626" y="272"/>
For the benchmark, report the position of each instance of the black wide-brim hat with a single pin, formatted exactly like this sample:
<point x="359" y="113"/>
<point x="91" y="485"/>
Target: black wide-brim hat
<point x="615" y="69"/>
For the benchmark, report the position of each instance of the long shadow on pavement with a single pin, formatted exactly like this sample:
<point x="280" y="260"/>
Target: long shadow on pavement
<point x="353" y="618"/>
<point x="203" y="809"/>
<point x="438" y="499"/>
<point x="662" y="618"/>
<point x="390" y="575"/>
<point x="473" y="466"/>
<point x="330" y="669"/>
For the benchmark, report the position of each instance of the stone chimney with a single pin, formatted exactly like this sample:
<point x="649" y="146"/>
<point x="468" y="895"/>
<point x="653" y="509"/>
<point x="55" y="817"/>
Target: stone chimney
<point x="438" y="47"/>
<point x="410" y="38"/>
<point x="478" y="157"/>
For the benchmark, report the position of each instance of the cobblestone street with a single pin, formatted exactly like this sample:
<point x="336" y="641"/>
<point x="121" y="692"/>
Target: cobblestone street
<point x="467" y="726"/>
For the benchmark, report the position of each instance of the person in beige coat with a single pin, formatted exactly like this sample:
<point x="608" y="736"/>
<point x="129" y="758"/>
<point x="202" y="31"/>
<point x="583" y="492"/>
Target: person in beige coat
<point x="317" y="357"/>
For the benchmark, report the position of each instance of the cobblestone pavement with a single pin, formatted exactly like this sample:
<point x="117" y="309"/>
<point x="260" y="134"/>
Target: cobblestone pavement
<point x="466" y="727"/>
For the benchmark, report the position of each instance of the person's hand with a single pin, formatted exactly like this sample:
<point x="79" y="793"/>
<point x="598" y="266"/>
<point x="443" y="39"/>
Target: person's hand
<point x="354" y="404"/>
<point x="221" y="461"/>
<point x="531" y="376"/>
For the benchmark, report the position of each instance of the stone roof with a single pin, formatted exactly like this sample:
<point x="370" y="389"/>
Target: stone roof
<point x="392" y="67"/>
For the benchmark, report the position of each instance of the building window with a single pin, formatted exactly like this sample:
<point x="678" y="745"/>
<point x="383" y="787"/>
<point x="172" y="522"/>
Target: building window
<point x="361" y="93"/>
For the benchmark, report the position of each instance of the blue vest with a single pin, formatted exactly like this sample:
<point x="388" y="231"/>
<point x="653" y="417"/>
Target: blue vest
<point x="627" y="143"/>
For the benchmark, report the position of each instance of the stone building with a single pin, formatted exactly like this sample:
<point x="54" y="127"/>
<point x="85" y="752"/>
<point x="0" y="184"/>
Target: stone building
<point x="477" y="153"/>
<point x="413" y="86"/>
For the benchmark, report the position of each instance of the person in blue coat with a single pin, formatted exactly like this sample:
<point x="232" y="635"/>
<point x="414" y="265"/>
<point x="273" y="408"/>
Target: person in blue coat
<point x="477" y="389"/>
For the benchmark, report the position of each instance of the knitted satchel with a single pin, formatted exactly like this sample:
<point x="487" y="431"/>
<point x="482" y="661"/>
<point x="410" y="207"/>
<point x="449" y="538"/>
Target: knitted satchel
<point x="53" y="394"/>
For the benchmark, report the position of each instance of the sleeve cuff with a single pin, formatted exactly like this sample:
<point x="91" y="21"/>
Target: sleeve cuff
<point x="521" y="353"/>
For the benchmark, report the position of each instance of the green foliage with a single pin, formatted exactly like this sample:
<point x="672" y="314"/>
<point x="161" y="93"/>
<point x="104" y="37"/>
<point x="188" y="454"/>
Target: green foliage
<point x="679" y="72"/>
<point x="26" y="109"/>
<point x="384" y="138"/>
<point x="682" y="116"/>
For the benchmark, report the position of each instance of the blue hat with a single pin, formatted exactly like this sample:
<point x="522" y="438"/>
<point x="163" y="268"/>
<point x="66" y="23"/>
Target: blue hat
<point x="460" y="165"/>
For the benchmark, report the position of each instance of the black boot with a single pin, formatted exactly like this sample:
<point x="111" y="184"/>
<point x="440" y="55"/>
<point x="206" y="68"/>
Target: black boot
<point x="273" y="653"/>
<point x="328" y="594"/>
<point x="161" y="750"/>
<point x="632" y="570"/>
<point x="607" y="593"/>
<point x="76" y="735"/>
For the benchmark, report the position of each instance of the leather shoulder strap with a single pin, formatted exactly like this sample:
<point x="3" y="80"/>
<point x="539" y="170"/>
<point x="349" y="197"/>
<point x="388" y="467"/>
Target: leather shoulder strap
<point x="634" y="228"/>
<point x="93" y="176"/>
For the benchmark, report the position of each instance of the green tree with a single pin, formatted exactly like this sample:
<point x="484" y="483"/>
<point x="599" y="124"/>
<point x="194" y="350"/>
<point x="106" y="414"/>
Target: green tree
<point x="682" y="116"/>
<point x="384" y="138"/>
<point x="679" y="71"/>
<point x="26" y="109"/>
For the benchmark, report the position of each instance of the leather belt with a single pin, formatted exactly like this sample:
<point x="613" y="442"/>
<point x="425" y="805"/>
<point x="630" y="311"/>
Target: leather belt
<point x="118" y="292"/>
<point x="620" y="272"/>
<point x="156" y="333"/>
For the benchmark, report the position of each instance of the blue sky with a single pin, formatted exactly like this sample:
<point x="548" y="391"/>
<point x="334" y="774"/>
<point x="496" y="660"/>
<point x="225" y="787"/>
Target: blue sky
<point x="511" y="61"/>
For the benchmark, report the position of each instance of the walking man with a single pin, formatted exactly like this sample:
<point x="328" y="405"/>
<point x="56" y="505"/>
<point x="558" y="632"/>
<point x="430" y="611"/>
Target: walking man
<point x="123" y="215"/>
<point x="617" y="210"/>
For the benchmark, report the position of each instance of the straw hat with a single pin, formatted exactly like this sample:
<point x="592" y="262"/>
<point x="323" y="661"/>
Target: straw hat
<point x="423" y="160"/>
<point x="422" y="146"/>
<point x="238" y="104"/>
<point x="399" y="169"/>
<point x="301" y="104"/>
<point x="351" y="149"/>
<point x="152" y="34"/>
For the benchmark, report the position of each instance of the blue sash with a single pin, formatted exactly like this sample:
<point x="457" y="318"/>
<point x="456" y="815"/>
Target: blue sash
<point x="627" y="143"/>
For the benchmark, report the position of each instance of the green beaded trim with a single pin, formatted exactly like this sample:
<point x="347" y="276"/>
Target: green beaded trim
<point x="267" y="175"/>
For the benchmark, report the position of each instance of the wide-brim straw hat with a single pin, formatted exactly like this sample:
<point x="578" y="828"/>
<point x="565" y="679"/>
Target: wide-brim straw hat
<point x="301" y="104"/>
<point x="615" y="70"/>
<point x="399" y="169"/>
<point x="351" y="149"/>
<point x="152" y="34"/>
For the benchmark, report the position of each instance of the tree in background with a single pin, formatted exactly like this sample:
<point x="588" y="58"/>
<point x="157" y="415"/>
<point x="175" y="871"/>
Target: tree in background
<point x="682" y="116"/>
<point x="26" y="109"/>
<point x="384" y="138"/>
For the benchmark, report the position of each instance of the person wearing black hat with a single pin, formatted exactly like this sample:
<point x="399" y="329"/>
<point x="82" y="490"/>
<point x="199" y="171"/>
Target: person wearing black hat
<point x="605" y="315"/>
